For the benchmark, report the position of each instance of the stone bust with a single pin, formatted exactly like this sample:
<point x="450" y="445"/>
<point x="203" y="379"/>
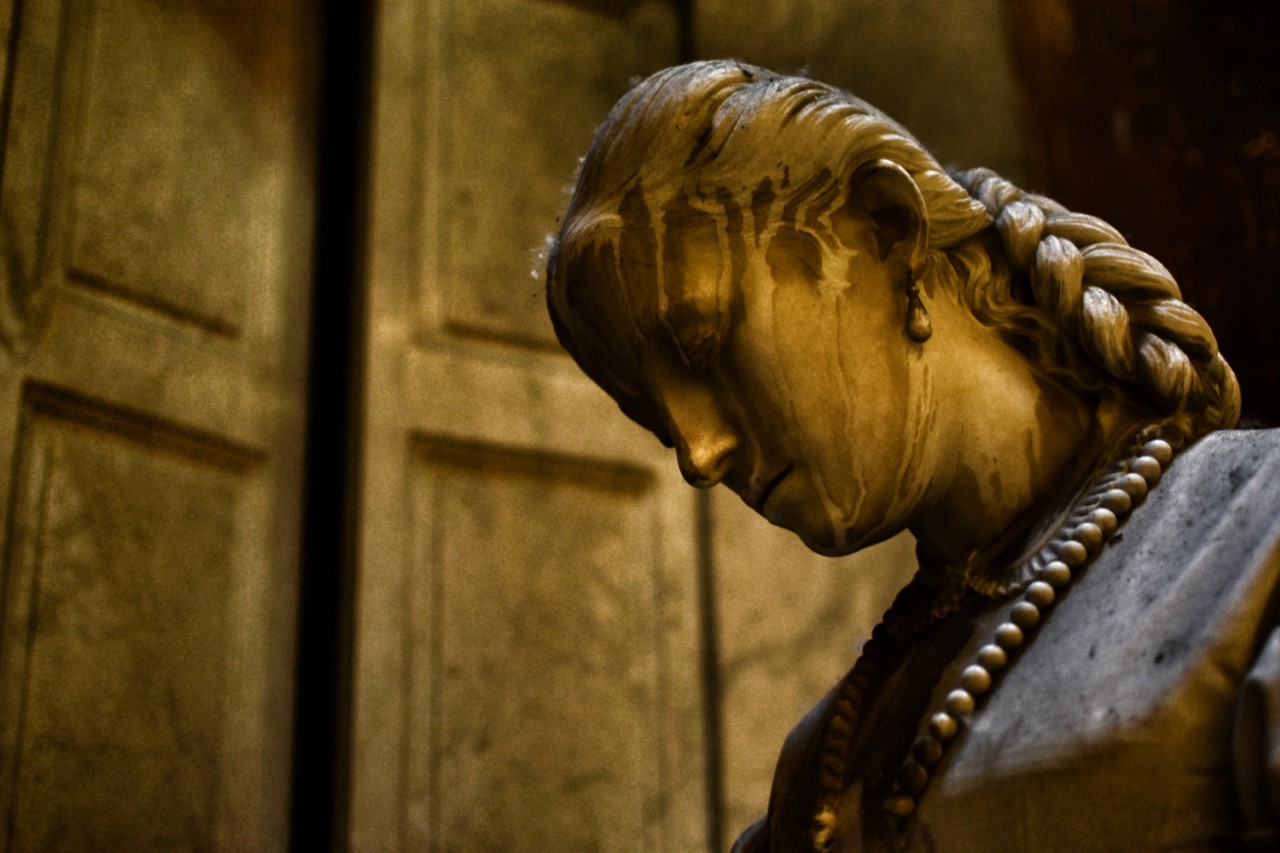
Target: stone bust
<point x="781" y="284"/>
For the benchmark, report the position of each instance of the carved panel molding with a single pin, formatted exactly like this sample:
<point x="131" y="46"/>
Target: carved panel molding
<point x="117" y="630"/>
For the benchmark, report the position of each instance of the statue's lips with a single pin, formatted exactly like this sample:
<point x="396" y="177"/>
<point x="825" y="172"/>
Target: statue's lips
<point x="763" y="497"/>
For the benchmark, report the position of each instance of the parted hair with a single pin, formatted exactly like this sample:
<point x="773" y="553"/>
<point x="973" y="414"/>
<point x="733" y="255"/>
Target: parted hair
<point x="1065" y="288"/>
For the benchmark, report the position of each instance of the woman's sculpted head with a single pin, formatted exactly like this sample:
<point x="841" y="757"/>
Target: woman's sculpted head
<point x="781" y="283"/>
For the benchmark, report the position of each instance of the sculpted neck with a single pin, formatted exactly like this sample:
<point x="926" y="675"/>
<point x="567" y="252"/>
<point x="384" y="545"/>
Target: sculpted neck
<point x="1006" y="436"/>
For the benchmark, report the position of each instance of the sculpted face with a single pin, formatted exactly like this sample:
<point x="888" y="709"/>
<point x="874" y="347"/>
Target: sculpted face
<point x="734" y="269"/>
<point x="775" y="362"/>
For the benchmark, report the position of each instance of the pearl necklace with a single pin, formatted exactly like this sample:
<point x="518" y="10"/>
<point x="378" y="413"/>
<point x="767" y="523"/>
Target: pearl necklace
<point x="1041" y="579"/>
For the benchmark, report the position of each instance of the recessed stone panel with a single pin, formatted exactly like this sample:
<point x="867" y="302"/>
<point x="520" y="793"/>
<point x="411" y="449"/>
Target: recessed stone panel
<point x="115" y="642"/>
<point x="524" y="83"/>
<point x="175" y="199"/>
<point x="537" y="684"/>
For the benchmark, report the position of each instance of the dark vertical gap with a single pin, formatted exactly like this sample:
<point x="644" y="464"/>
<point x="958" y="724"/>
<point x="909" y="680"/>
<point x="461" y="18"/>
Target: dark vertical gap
<point x="684" y="30"/>
<point x="45" y="451"/>
<point x="322" y="709"/>
<point x="6" y="96"/>
<point x="711" y="691"/>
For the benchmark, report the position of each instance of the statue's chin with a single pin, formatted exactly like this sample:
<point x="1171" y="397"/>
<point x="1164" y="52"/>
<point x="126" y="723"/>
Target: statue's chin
<point x="828" y="544"/>
<point x="793" y="506"/>
<point x="817" y="535"/>
<point x="830" y="549"/>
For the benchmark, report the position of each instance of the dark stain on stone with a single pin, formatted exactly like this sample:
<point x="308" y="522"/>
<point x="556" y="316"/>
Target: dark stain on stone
<point x="633" y="210"/>
<point x="761" y="203"/>
<point x="699" y="145"/>
<point x="1171" y="650"/>
<point x="792" y="250"/>
<point x="735" y="230"/>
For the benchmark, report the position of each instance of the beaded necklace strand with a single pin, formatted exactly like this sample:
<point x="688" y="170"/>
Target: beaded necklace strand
<point x="1040" y="580"/>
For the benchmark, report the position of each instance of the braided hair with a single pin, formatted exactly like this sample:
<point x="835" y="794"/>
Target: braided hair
<point x="1094" y="310"/>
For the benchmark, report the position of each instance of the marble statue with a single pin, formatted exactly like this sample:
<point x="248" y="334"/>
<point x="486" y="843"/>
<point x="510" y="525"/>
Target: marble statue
<point x="780" y="283"/>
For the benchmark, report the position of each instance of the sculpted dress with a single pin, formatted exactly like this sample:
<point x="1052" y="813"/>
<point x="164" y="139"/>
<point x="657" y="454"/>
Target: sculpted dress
<point x="1142" y="713"/>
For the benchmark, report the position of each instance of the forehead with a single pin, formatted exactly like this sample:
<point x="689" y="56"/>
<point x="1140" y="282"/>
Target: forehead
<point x="669" y="256"/>
<point x="667" y="259"/>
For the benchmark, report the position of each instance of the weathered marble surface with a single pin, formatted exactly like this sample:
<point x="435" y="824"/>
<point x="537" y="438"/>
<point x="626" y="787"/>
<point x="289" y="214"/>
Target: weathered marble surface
<point x="157" y="223"/>
<point x="540" y="682"/>
<point x="779" y="282"/>
<point x="527" y="641"/>
<point x="215" y="213"/>
<point x="125" y="675"/>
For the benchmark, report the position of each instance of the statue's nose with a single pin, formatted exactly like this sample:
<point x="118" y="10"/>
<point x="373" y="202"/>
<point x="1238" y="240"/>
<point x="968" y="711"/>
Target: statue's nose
<point x="706" y="458"/>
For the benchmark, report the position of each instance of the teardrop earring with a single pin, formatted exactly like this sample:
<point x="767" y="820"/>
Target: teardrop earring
<point x="919" y="328"/>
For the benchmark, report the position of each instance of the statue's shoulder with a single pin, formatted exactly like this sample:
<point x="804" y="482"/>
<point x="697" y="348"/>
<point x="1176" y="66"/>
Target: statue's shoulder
<point x="1229" y="469"/>
<point x="1215" y="512"/>
<point x="1263" y="442"/>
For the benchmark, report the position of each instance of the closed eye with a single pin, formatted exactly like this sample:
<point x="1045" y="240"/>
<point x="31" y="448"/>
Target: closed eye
<point x="697" y="341"/>
<point x="642" y="412"/>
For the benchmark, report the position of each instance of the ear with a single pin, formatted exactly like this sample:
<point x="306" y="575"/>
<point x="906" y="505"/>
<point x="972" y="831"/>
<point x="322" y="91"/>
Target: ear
<point x="892" y="199"/>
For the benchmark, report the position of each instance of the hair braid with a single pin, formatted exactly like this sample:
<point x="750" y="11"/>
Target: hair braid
<point x="1115" y="304"/>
